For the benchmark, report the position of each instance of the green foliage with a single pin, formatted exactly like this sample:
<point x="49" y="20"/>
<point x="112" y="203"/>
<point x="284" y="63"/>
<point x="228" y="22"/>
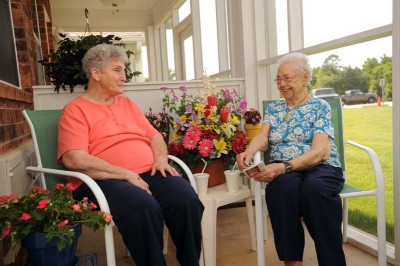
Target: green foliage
<point x="358" y="125"/>
<point x="332" y="75"/>
<point x="64" y="67"/>
<point x="45" y="212"/>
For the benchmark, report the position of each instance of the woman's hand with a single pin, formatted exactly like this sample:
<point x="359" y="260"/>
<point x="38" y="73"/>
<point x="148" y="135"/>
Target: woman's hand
<point x="243" y="159"/>
<point x="270" y="173"/>
<point x="136" y="180"/>
<point x="163" y="166"/>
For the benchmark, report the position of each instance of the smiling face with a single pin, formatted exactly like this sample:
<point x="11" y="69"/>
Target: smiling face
<point x="111" y="78"/>
<point x="291" y="84"/>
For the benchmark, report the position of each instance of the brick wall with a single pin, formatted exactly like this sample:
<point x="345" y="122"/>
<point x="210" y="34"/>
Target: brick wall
<point x="13" y="128"/>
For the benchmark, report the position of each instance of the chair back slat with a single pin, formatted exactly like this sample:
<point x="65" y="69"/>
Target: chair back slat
<point x="337" y="121"/>
<point x="44" y="129"/>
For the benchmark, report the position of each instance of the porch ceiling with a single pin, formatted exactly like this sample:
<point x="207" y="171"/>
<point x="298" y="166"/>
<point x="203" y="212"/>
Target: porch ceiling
<point x="104" y="15"/>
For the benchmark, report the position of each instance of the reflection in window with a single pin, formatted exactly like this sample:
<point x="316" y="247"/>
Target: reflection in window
<point x="209" y="41"/>
<point x="328" y="20"/>
<point x="188" y="58"/>
<point x="184" y="10"/>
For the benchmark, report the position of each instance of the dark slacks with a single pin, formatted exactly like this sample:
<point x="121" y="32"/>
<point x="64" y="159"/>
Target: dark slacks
<point x="140" y="217"/>
<point x="314" y="195"/>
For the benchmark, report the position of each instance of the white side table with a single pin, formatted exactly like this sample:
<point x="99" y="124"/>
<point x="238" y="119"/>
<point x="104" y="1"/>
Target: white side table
<point x="216" y="197"/>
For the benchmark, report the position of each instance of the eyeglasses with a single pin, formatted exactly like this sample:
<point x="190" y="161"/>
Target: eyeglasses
<point x="286" y="79"/>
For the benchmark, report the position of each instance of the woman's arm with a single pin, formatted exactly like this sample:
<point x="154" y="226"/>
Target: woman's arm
<point x="160" y="153"/>
<point x="96" y="168"/>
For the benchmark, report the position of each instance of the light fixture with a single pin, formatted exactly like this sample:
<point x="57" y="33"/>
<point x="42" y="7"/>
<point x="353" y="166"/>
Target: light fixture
<point x="112" y="3"/>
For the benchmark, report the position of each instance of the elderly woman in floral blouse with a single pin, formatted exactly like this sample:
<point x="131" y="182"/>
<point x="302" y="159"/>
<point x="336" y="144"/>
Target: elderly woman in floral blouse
<point x="304" y="174"/>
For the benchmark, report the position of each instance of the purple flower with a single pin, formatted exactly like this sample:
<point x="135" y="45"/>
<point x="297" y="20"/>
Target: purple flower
<point x="164" y="88"/>
<point x="243" y="105"/>
<point x="182" y="88"/>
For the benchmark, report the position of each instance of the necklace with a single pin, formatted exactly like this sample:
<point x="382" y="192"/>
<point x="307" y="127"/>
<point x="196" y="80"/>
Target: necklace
<point x="290" y="109"/>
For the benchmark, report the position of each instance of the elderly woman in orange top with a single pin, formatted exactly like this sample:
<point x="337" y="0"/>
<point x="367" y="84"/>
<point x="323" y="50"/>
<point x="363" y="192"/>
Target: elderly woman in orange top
<point x="106" y="136"/>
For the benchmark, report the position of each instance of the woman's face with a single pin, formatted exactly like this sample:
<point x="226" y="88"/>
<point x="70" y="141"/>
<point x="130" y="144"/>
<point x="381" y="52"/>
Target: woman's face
<point x="290" y="83"/>
<point x="112" y="77"/>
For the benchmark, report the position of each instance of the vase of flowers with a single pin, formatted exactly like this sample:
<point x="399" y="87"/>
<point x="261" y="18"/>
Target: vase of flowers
<point x="252" y="119"/>
<point x="160" y="121"/>
<point x="206" y="126"/>
<point x="53" y="216"/>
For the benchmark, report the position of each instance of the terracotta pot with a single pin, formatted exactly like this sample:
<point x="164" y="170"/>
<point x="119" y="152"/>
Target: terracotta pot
<point x="252" y="131"/>
<point x="215" y="170"/>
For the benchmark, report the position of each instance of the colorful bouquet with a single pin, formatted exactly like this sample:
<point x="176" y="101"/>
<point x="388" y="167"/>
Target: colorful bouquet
<point x="206" y="125"/>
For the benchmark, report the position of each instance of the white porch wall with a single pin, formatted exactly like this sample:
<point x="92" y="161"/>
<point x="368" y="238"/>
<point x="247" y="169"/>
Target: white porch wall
<point x="147" y="94"/>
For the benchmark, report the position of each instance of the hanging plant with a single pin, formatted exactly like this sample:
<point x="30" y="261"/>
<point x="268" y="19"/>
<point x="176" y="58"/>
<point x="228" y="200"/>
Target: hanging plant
<point x="64" y="67"/>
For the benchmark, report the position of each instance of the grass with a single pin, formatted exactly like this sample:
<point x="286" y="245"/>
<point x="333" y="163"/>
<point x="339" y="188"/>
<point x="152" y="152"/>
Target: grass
<point x="372" y="127"/>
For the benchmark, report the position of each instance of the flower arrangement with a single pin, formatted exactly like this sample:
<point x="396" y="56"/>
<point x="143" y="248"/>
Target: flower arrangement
<point x="252" y="117"/>
<point x="46" y="212"/>
<point x="205" y="125"/>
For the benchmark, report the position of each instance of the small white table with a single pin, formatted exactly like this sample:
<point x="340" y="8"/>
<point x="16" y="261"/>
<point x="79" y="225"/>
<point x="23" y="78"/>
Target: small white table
<point x="216" y="197"/>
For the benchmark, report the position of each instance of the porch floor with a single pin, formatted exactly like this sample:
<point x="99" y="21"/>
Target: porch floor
<point x="233" y="245"/>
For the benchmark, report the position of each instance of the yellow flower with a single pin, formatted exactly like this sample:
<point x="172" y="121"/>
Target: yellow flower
<point x="235" y="120"/>
<point x="221" y="147"/>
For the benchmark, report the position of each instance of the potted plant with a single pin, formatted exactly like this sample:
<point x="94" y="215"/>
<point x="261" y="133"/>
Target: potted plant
<point x="206" y="126"/>
<point x="252" y="119"/>
<point x="64" y="66"/>
<point x="159" y="121"/>
<point x="51" y="216"/>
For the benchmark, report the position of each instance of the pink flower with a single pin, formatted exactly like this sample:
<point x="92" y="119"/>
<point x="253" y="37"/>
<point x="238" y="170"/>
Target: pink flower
<point x="43" y="203"/>
<point x="59" y="185"/>
<point x="62" y="224"/>
<point x="108" y="218"/>
<point x="93" y="206"/>
<point x="191" y="138"/>
<point x="76" y="208"/>
<point x="6" y="232"/>
<point x="206" y="147"/>
<point x="8" y="198"/>
<point x="70" y="187"/>
<point x="182" y="88"/>
<point x="25" y="216"/>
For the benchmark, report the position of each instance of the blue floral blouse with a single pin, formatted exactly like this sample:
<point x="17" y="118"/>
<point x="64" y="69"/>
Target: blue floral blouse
<point x="292" y="129"/>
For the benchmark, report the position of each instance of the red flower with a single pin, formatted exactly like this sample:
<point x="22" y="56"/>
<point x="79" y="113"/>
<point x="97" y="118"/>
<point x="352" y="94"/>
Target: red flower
<point x="175" y="148"/>
<point x="209" y="134"/>
<point x="6" y="232"/>
<point x="239" y="142"/>
<point x="207" y="110"/>
<point x="59" y="185"/>
<point x="70" y="187"/>
<point x="108" y="218"/>
<point x="212" y="100"/>
<point x="8" y="198"/>
<point x="223" y="115"/>
<point x="25" y="216"/>
<point x="62" y="224"/>
<point x="43" y="203"/>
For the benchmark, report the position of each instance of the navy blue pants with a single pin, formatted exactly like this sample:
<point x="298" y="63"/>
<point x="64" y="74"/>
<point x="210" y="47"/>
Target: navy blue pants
<point x="314" y="195"/>
<point x="140" y="217"/>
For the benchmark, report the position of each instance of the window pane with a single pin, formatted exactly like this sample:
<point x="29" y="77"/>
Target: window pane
<point x="184" y="10"/>
<point x="170" y="50"/>
<point x="328" y="20"/>
<point x="188" y="58"/>
<point x="282" y="27"/>
<point x="209" y="42"/>
<point x="356" y="55"/>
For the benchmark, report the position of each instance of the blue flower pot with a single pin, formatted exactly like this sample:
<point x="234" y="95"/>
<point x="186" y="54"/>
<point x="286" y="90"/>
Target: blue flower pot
<point x="42" y="253"/>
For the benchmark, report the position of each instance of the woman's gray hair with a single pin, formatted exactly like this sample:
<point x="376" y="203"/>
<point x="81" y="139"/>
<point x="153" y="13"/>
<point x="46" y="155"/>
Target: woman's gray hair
<point x="100" y="55"/>
<point x="299" y="61"/>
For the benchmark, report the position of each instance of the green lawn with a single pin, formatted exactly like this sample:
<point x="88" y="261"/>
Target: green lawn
<point x="372" y="127"/>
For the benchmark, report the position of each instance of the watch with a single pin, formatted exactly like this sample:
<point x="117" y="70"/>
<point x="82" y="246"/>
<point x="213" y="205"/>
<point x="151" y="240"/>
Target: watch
<point x="288" y="166"/>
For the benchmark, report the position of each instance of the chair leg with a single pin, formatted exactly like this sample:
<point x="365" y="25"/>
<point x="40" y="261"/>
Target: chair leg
<point x="166" y="238"/>
<point x="250" y="215"/>
<point x="265" y="217"/>
<point x="345" y="219"/>
<point x="381" y="228"/>
<point x="259" y="224"/>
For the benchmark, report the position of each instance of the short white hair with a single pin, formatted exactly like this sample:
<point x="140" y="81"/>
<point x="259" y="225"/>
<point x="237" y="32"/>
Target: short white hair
<point x="299" y="61"/>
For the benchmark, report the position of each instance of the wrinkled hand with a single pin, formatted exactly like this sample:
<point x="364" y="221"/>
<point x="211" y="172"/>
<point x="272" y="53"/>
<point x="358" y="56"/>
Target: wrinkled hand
<point x="136" y="180"/>
<point x="270" y="173"/>
<point x="243" y="159"/>
<point x="163" y="167"/>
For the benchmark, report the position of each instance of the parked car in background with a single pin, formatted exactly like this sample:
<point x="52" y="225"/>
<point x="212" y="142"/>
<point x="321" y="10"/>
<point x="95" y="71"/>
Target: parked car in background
<point x="324" y="93"/>
<point x="357" y="96"/>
